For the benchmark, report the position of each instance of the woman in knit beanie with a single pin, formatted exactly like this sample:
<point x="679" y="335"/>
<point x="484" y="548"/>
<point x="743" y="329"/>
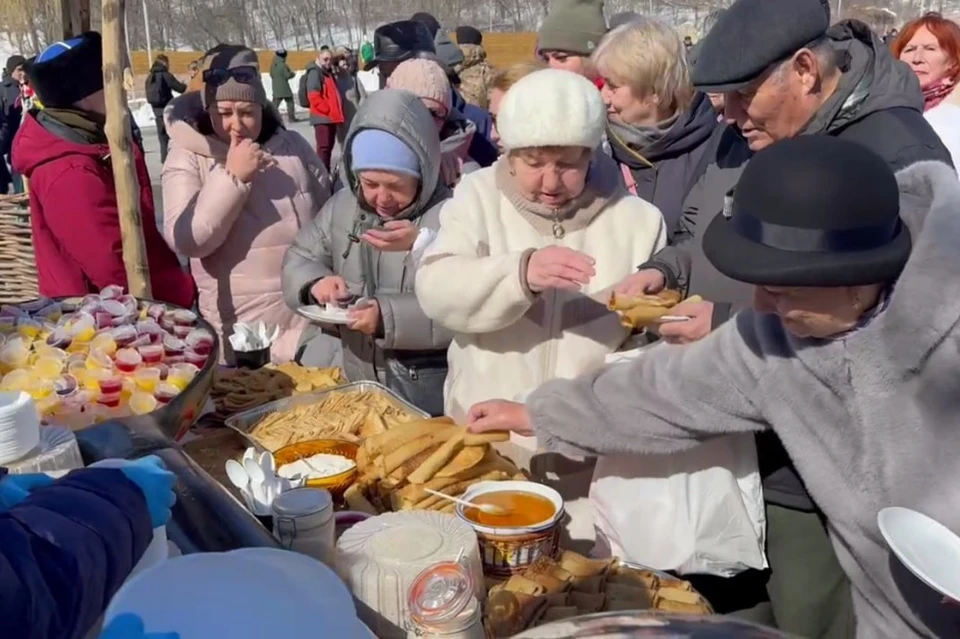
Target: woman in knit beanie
<point x="427" y="80"/>
<point x="236" y="188"/>
<point x="569" y="35"/>
<point x="524" y="253"/>
<point x="359" y="243"/>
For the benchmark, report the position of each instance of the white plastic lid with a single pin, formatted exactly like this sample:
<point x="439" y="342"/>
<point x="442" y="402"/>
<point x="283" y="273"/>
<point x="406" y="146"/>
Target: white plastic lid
<point x="300" y="502"/>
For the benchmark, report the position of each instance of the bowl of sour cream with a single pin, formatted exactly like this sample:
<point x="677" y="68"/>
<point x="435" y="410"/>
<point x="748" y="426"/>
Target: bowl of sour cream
<point x="321" y="463"/>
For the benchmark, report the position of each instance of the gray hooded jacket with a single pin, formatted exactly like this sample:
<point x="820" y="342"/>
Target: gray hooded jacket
<point x="409" y="345"/>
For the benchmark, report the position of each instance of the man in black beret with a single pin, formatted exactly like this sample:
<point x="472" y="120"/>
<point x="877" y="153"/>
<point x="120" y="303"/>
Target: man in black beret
<point x="783" y="72"/>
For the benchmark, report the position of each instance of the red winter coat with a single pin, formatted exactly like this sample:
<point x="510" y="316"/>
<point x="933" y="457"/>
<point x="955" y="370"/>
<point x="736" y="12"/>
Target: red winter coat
<point x="73" y="213"/>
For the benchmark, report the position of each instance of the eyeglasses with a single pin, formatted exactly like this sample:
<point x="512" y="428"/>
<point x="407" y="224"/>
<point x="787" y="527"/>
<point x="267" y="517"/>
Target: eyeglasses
<point x="243" y="75"/>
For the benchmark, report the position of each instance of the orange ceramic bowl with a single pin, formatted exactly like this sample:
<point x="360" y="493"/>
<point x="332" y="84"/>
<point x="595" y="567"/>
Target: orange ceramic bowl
<point x="336" y="484"/>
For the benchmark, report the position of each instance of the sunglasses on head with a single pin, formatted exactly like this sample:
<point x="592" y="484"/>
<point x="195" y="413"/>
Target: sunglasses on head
<point x="243" y="75"/>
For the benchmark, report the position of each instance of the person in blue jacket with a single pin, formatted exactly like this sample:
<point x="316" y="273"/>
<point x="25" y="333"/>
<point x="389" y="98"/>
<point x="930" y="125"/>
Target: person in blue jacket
<point x="66" y="546"/>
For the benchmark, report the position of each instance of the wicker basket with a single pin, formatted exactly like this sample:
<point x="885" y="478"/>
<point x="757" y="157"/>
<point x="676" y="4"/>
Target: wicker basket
<point x="18" y="267"/>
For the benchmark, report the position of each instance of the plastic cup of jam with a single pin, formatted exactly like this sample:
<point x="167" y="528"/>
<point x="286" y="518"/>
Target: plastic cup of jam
<point x="183" y="317"/>
<point x="97" y="360"/>
<point x="173" y="346"/>
<point x="195" y="358"/>
<point x="128" y="360"/>
<point x="151" y="354"/>
<point x="83" y="328"/>
<point x="109" y="383"/>
<point x="165" y="392"/>
<point x="124" y="335"/>
<point x="182" y="331"/>
<point x="110" y="401"/>
<point x="142" y="403"/>
<point x="181" y="375"/>
<point x="200" y="341"/>
<point x="146" y="379"/>
<point x="111" y="292"/>
<point x="66" y="385"/>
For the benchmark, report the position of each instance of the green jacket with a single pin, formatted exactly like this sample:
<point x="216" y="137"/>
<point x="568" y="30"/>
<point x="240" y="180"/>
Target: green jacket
<point x="280" y="76"/>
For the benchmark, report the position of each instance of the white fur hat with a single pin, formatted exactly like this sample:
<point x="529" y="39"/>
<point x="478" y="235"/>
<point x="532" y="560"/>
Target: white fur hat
<point x="551" y="108"/>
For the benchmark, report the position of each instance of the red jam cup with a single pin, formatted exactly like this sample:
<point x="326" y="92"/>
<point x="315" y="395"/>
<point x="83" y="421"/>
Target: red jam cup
<point x="156" y="311"/>
<point x="200" y="341"/>
<point x="103" y="319"/>
<point x="114" y="307"/>
<point x="110" y="384"/>
<point x="165" y="392"/>
<point x="130" y="303"/>
<point x="111" y="292"/>
<point x="173" y="346"/>
<point x="167" y="323"/>
<point x="183" y="317"/>
<point x="142" y="340"/>
<point x="124" y="335"/>
<point x="110" y="401"/>
<point x="175" y="359"/>
<point x="195" y="358"/>
<point x="151" y="354"/>
<point x="149" y="327"/>
<point x="182" y="331"/>
<point x="128" y="359"/>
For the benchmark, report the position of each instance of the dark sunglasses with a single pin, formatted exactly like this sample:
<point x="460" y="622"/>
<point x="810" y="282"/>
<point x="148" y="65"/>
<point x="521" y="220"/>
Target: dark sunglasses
<point x="243" y="75"/>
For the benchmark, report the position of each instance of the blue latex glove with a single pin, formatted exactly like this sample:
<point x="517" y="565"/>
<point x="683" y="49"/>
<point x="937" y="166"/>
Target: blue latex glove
<point x="16" y="488"/>
<point x="150" y="474"/>
<point x="130" y="626"/>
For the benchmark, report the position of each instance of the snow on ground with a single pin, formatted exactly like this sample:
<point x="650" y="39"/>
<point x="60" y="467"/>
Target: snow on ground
<point x="143" y="112"/>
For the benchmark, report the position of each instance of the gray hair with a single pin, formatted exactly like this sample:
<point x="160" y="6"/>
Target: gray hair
<point x="823" y="51"/>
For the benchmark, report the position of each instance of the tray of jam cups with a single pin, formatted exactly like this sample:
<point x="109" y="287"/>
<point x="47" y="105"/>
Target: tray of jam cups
<point x="90" y="359"/>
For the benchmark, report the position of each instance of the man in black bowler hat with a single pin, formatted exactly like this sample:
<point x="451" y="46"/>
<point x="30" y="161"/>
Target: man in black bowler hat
<point x="784" y="72"/>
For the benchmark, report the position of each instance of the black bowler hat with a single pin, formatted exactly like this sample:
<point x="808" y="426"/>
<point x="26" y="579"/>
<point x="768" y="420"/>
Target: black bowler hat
<point x="812" y="211"/>
<point x="399" y="41"/>
<point x="752" y="35"/>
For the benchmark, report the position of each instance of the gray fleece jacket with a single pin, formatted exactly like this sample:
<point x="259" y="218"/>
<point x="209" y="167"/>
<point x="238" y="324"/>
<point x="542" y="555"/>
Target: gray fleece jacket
<point x="871" y="418"/>
<point x="327" y="246"/>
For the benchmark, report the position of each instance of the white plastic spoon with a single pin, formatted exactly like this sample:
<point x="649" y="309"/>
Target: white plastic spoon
<point x="237" y="475"/>
<point x="489" y="509"/>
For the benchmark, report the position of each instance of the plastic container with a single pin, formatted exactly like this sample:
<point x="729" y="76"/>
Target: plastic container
<point x="303" y="522"/>
<point x="243" y="422"/>
<point x="381" y="558"/>
<point x="246" y="359"/>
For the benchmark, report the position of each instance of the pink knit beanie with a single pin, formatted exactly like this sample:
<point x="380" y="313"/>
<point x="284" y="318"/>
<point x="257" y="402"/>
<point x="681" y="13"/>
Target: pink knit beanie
<point x="423" y="78"/>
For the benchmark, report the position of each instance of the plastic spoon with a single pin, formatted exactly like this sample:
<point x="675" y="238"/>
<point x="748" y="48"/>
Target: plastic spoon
<point x="489" y="509"/>
<point x="237" y="475"/>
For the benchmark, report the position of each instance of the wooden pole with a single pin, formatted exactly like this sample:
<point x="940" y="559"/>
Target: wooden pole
<point x="121" y="151"/>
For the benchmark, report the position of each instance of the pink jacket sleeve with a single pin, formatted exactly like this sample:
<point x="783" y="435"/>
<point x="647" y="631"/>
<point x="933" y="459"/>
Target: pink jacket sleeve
<point x="198" y="212"/>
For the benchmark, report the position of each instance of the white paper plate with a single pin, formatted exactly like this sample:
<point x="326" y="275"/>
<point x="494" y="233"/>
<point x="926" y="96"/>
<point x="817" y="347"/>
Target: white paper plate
<point x="925" y="546"/>
<point x="266" y="593"/>
<point x="324" y="315"/>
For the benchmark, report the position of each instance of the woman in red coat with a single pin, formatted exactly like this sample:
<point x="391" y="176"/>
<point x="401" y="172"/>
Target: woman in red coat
<point x="74" y="215"/>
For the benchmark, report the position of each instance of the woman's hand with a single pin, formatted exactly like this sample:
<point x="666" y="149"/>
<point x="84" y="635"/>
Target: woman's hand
<point x="364" y="317"/>
<point x="559" y="267"/>
<point x="499" y="415"/>
<point x="245" y="158"/>
<point x="329" y="289"/>
<point x="648" y="281"/>
<point x="451" y="169"/>
<point x="396" y="236"/>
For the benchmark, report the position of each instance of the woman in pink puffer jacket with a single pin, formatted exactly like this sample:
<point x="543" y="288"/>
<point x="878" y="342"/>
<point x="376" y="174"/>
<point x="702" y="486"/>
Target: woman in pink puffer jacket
<point x="237" y="187"/>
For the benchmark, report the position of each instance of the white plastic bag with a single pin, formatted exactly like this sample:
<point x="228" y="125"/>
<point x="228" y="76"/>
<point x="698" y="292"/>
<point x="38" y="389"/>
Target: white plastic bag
<point x="699" y="511"/>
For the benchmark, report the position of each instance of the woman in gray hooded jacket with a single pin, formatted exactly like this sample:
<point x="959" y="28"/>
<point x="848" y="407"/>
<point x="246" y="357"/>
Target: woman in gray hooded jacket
<point x="358" y="246"/>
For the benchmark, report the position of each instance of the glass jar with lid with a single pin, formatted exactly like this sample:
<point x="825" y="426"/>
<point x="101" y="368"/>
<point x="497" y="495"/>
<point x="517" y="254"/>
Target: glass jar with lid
<point x="441" y="603"/>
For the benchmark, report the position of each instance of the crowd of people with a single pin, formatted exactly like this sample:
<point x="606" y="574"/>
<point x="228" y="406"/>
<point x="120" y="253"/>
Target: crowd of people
<point x="792" y="175"/>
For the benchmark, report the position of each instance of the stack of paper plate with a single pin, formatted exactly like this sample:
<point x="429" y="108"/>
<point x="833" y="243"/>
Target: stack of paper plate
<point x="245" y="594"/>
<point x="19" y="426"/>
<point x="57" y="452"/>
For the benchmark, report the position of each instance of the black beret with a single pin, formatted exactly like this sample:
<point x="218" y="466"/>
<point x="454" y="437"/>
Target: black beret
<point x="752" y="35"/>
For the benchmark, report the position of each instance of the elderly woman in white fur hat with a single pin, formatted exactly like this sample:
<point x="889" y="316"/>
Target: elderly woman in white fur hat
<point x="526" y="253"/>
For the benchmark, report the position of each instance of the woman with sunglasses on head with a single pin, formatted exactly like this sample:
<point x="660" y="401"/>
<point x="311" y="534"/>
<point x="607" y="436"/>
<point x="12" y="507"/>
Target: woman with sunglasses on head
<point x="427" y="80"/>
<point x="237" y="187"/>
